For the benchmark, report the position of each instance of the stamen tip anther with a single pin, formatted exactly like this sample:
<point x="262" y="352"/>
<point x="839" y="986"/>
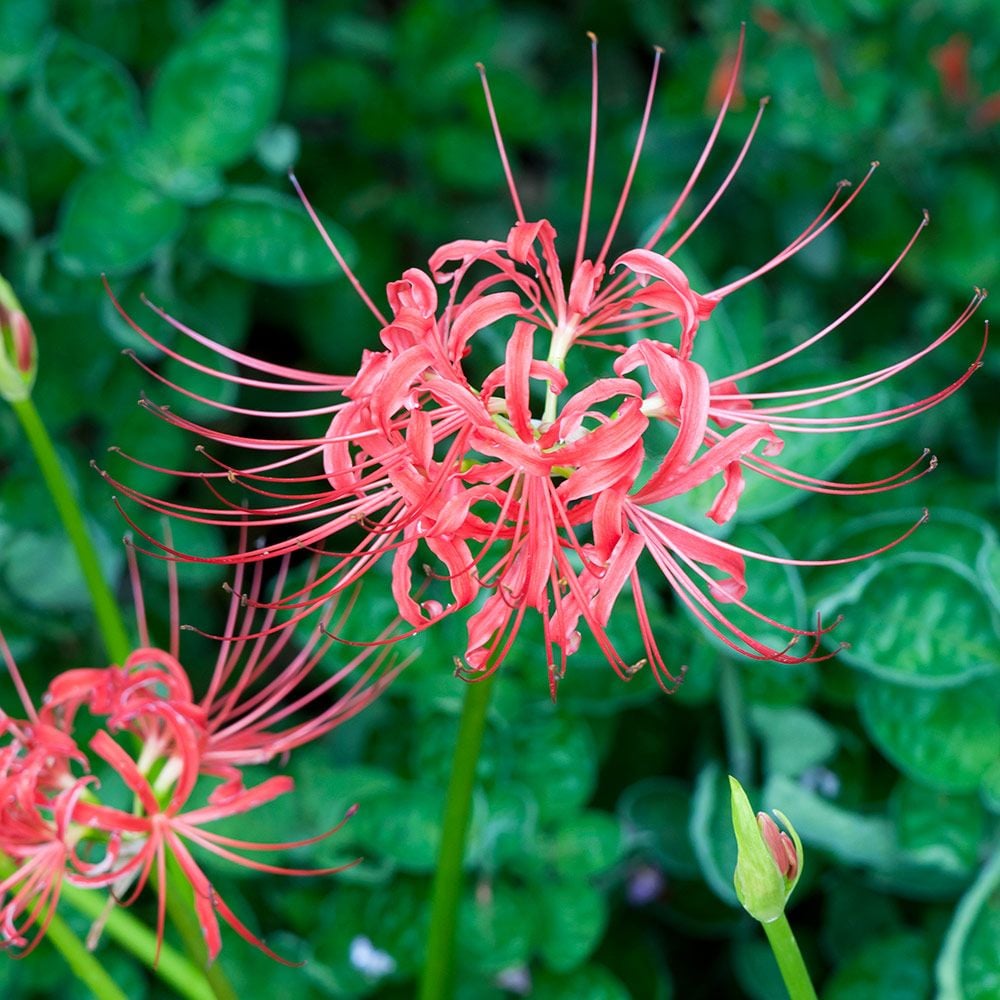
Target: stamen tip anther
<point x="927" y="217"/>
<point x="764" y="101"/>
<point x="592" y="37"/>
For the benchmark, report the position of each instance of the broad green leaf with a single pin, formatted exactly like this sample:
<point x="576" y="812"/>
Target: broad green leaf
<point x="862" y="840"/>
<point x="586" y="845"/>
<point x="919" y="620"/>
<point x="111" y="223"/>
<point x="967" y="967"/>
<point x="852" y="838"/>
<point x="498" y="927"/>
<point x="557" y="759"/>
<point x="404" y="826"/>
<point x="87" y="98"/>
<point x="573" y="915"/>
<point x="711" y="832"/>
<point x="942" y="830"/>
<point x="795" y="739"/>
<point x="944" y="739"/>
<point x="260" y="234"/>
<point x="22" y="24"/>
<point x="221" y="86"/>
<point x="15" y="216"/>
<point x="895" y="968"/>
<point x="655" y="812"/>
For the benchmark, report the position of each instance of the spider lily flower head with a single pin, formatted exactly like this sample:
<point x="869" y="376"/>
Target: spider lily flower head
<point x="179" y="756"/>
<point x="517" y="489"/>
<point x="18" y="349"/>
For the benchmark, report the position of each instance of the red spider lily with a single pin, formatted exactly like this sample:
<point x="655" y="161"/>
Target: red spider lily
<point x="170" y="749"/>
<point x="543" y="506"/>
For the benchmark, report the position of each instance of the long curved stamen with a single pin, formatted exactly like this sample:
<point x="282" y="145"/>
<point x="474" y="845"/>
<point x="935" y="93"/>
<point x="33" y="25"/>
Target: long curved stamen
<point x="706" y="152"/>
<point x="588" y="186"/>
<point x="764" y="365"/>
<point x="733" y="170"/>
<point x="511" y="186"/>
<point x="637" y="152"/>
<point x="337" y="255"/>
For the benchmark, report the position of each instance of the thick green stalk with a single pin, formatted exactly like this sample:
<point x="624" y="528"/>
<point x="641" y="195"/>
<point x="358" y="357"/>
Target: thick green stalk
<point x="789" y="958"/>
<point x="84" y="964"/>
<point x="135" y="937"/>
<point x="436" y="982"/>
<point x="109" y="619"/>
<point x="113" y="632"/>
<point x="180" y="906"/>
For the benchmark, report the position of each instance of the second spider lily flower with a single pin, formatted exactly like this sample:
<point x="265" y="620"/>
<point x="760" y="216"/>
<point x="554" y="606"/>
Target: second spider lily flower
<point x="519" y="486"/>
<point x="180" y="756"/>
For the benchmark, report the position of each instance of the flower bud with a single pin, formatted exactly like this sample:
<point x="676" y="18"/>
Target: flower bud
<point x="769" y="861"/>
<point x="18" y="351"/>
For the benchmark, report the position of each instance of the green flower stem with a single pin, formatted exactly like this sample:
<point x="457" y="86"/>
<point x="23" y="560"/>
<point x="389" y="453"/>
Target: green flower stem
<point x="135" y="937"/>
<point x="85" y="966"/>
<point x="436" y="982"/>
<point x="115" y="636"/>
<point x="789" y="958"/>
<point x="180" y="906"/>
<point x="109" y="619"/>
<point x="732" y="705"/>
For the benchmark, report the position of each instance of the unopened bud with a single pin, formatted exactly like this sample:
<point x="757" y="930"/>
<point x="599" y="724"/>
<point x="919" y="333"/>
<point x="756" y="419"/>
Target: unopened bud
<point x="769" y="861"/>
<point x="780" y="845"/>
<point x="18" y="353"/>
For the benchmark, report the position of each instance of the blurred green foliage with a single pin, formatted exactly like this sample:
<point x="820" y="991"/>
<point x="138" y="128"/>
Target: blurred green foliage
<point x="148" y="140"/>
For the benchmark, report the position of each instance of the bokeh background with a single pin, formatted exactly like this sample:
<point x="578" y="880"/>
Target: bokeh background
<point x="150" y="141"/>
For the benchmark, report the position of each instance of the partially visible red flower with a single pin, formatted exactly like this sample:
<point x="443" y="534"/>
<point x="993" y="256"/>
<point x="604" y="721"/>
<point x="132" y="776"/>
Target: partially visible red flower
<point x="468" y="444"/>
<point x="951" y="61"/>
<point x="169" y="748"/>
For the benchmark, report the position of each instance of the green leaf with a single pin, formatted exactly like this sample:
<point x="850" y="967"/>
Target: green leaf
<point x="87" y="98"/>
<point x="866" y="841"/>
<point x="918" y="619"/>
<point x="22" y="23"/>
<point x="557" y="759"/>
<point x="945" y="739"/>
<point x="498" y="928"/>
<point x="260" y="234"/>
<point x="967" y="967"/>
<point x="403" y="826"/>
<point x="894" y="968"/>
<point x="711" y="832"/>
<point x="586" y="845"/>
<point x="221" y="86"/>
<point x="943" y="830"/>
<point x="795" y="739"/>
<point x="574" y="915"/>
<point x="853" y="839"/>
<point x="111" y="223"/>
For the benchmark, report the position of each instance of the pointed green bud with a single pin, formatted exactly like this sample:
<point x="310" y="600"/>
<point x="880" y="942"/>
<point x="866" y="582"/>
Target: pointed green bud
<point x="18" y="352"/>
<point x="769" y="861"/>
